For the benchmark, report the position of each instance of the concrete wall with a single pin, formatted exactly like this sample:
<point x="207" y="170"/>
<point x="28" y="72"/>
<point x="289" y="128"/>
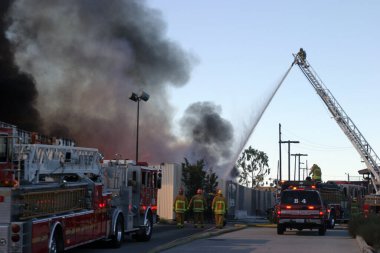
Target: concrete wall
<point x="246" y="201"/>
<point x="241" y="200"/>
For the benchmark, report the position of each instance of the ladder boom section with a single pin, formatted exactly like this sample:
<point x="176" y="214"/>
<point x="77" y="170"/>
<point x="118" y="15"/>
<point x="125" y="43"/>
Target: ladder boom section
<point x="40" y="159"/>
<point x="366" y="152"/>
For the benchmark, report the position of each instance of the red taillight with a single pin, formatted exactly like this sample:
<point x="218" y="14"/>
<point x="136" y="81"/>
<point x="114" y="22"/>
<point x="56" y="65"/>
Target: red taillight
<point x="16" y="228"/>
<point x="1" y="198"/>
<point x="313" y="187"/>
<point x="288" y="207"/>
<point x="310" y="207"/>
<point x="321" y="213"/>
<point x="102" y="205"/>
<point x="15" y="238"/>
<point x="154" y="208"/>
<point x="279" y="212"/>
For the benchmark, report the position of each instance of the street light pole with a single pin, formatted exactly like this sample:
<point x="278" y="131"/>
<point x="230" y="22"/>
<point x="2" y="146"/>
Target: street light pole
<point x="137" y="130"/>
<point x="134" y="97"/>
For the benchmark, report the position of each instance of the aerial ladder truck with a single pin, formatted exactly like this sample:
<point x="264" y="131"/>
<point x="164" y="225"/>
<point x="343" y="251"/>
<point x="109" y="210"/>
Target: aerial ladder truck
<point x="366" y="152"/>
<point x="55" y="196"/>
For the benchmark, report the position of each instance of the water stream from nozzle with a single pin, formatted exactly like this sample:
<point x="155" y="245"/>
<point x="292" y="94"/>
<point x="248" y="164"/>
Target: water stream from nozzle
<point x="254" y="121"/>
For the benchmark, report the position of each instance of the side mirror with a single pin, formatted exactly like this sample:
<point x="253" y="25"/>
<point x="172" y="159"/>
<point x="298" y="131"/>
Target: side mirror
<point x="159" y="180"/>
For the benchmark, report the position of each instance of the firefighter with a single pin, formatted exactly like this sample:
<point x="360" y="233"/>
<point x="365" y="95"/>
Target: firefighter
<point x="317" y="173"/>
<point x="198" y="204"/>
<point x="302" y="54"/>
<point x="179" y="207"/>
<point x="219" y="208"/>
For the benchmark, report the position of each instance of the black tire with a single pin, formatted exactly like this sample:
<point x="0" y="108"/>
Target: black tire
<point x="118" y="238"/>
<point x="56" y="244"/>
<point x="146" y="232"/>
<point x="332" y="220"/>
<point x="280" y="229"/>
<point x="322" y="230"/>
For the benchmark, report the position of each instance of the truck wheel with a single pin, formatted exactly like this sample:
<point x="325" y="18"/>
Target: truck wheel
<point x="56" y="244"/>
<point x="280" y="229"/>
<point x="145" y="233"/>
<point x="332" y="220"/>
<point x="118" y="238"/>
<point x="322" y="230"/>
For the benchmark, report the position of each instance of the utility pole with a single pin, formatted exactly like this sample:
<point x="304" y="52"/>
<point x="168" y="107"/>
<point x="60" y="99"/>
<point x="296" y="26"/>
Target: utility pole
<point x="288" y="142"/>
<point x="295" y="167"/>
<point x="279" y="144"/>
<point x="299" y="165"/>
<point x="348" y="176"/>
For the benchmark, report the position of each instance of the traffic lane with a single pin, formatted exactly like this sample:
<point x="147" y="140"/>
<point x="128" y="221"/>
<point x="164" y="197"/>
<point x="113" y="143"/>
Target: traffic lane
<point x="162" y="234"/>
<point x="264" y="240"/>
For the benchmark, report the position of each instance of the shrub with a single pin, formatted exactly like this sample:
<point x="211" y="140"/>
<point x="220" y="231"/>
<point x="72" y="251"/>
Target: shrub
<point x="354" y="223"/>
<point x="368" y="228"/>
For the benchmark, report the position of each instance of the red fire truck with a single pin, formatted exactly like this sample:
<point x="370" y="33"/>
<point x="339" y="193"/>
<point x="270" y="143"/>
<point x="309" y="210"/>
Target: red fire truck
<point x="55" y="196"/>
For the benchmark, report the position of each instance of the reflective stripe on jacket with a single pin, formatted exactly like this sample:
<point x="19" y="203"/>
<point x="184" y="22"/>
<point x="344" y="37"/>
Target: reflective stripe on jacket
<point x="180" y="206"/>
<point x="220" y="207"/>
<point x="198" y="205"/>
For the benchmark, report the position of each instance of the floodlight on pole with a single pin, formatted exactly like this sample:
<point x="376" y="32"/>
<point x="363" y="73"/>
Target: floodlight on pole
<point x="136" y="98"/>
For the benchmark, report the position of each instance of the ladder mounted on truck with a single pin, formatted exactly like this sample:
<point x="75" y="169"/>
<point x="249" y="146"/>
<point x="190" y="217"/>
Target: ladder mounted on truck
<point x="51" y="160"/>
<point x="357" y="139"/>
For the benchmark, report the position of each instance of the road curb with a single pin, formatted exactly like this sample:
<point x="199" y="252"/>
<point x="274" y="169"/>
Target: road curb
<point x="364" y="247"/>
<point x="196" y="237"/>
<point x="266" y="225"/>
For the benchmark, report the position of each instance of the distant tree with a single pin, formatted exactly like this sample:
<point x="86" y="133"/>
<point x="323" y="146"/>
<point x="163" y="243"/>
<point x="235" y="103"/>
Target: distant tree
<point x="254" y="166"/>
<point x="193" y="177"/>
<point x="210" y="182"/>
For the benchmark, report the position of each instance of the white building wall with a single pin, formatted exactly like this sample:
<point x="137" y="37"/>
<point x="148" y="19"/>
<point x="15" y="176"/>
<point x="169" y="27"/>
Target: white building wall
<point x="171" y="182"/>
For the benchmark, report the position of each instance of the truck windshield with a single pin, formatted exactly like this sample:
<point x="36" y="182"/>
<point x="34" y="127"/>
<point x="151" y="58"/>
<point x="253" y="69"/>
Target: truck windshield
<point x="300" y="197"/>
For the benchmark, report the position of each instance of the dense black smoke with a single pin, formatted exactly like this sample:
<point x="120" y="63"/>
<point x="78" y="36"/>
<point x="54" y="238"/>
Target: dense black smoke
<point x="211" y="135"/>
<point x="18" y="92"/>
<point x="87" y="57"/>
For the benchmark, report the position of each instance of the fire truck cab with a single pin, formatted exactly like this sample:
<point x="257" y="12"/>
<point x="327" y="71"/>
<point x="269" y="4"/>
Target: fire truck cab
<point x="133" y="191"/>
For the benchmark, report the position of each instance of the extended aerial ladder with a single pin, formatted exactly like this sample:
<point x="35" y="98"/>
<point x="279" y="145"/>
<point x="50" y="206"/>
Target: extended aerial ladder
<point x="357" y="139"/>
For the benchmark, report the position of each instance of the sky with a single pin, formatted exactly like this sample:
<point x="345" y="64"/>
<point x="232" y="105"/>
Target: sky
<point x="242" y="50"/>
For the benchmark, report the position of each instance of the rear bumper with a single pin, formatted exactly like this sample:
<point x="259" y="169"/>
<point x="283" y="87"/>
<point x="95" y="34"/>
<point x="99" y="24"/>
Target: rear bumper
<point x="301" y="223"/>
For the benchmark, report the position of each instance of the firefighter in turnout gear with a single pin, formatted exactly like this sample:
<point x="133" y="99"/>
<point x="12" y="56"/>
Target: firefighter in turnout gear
<point x="179" y="207"/>
<point x="317" y="173"/>
<point x="198" y="204"/>
<point x="302" y="54"/>
<point x="219" y="208"/>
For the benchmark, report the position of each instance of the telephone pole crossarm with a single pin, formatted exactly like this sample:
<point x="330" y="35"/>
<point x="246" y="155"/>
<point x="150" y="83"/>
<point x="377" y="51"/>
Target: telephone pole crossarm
<point x="289" y="142"/>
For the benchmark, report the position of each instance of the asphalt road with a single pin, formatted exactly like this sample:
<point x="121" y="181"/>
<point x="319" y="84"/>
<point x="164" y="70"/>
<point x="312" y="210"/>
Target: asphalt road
<point x="162" y="234"/>
<point x="265" y="239"/>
